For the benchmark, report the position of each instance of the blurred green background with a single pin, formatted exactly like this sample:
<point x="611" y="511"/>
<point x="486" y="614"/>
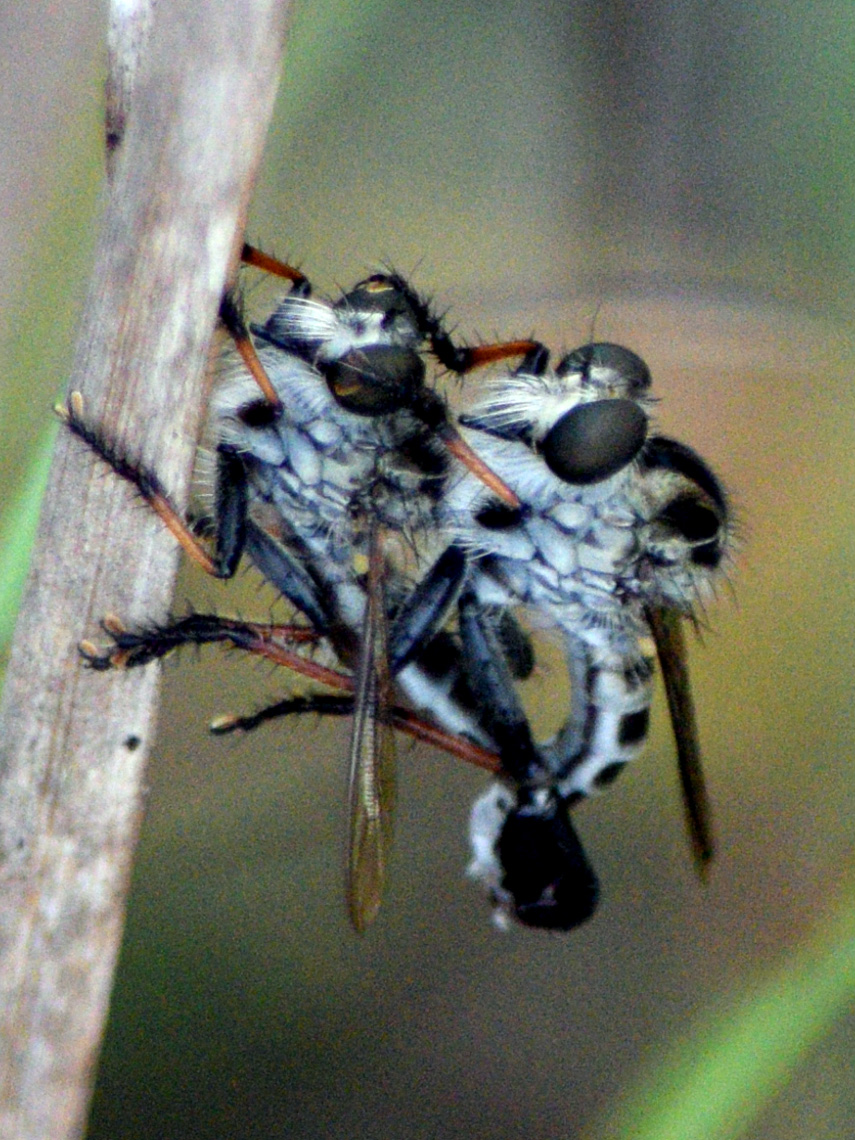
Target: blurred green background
<point x="678" y="177"/>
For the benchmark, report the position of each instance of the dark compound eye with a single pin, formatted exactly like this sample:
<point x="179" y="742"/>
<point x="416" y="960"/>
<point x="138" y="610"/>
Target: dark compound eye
<point x="593" y="441"/>
<point x="376" y="380"/>
<point x="627" y="369"/>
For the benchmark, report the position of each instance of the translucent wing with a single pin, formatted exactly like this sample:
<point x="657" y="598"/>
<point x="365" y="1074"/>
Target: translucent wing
<point x="666" y="625"/>
<point x="372" y="756"/>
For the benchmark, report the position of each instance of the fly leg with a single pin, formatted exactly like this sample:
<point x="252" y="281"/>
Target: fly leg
<point x="234" y="530"/>
<point x="278" y="644"/>
<point x="526" y="850"/>
<point x="231" y="495"/>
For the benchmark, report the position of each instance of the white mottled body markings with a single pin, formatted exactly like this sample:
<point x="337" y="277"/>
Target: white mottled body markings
<point x="333" y="466"/>
<point x="320" y="482"/>
<point x="309" y="468"/>
<point x="597" y="549"/>
<point x="349" y="451"/>
<point x="317" y="470"/>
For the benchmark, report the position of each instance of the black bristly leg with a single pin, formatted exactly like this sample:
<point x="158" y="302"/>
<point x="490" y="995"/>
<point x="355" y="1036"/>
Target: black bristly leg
<point x="232" y="511"/>
<point x="426" y="609"/>
<point x="516" y="645"/>
<point x="333" y="704"/>
<point x="231" y="492"/>
<point x="292" y="578"/>
<point x="543" y="874"/>
<point x="455" y="358"/>
<point x="227" y="554"/>
<point x="234" y="533"/>
<point x="323" y="704"/>
<point x="495" y="652"/>
<point x="132" y="648"/>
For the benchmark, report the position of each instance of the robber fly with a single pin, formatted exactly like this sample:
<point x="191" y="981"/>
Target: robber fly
<point x="324" y="440"/>
<point x="345" y="457"/>
<point x="621" y="537"/>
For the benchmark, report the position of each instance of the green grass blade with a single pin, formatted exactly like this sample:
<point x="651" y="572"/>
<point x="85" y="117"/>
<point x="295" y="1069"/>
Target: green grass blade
<point x="715" y="1082"/>
<point x="18" y="522"/>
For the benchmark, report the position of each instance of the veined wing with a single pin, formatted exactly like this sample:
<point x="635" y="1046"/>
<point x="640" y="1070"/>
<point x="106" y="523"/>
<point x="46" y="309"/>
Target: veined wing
<point x="666" y="625"/>
<point x="372" y="755"/>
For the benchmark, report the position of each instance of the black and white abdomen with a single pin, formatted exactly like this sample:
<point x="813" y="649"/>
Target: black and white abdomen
<point x="615" y="524"/>
<point x="527" y="855"/>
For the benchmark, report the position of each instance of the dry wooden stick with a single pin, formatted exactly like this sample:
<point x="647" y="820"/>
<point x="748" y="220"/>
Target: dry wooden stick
<point x="73" y="743"/>
<point x="128" y="30"/>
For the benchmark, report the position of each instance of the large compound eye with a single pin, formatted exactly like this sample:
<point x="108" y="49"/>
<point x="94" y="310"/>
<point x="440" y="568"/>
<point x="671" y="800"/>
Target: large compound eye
<point x="608" y="365"/>
<point x="376" y="380"/>
<point x="593" y="441"/>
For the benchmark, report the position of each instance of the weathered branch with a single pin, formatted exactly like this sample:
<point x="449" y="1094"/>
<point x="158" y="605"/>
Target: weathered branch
<point x="73" y="743"/>
<point x="127" y="37"/>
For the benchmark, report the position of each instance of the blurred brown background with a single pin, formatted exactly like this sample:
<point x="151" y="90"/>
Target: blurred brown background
<point x="678" y="176"/>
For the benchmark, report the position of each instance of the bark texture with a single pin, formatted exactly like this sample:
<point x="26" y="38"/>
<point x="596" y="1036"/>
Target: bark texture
<point x="73" y="743"/>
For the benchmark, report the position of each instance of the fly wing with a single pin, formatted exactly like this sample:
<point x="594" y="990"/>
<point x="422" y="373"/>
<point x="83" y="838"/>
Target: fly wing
<point x="666" y="625"/>
<point x="372" y="756"/>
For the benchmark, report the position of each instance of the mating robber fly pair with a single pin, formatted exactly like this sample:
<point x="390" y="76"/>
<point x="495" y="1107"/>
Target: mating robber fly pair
<point x="410" y="542"/>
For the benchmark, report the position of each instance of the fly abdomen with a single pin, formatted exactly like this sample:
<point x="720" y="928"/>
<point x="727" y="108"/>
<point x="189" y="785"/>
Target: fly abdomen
<point x="609" y="717"/>
<point x="528" y="855"/>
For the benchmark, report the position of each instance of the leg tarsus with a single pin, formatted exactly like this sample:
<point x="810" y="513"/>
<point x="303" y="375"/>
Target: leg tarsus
<point x="134" y="648"/>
